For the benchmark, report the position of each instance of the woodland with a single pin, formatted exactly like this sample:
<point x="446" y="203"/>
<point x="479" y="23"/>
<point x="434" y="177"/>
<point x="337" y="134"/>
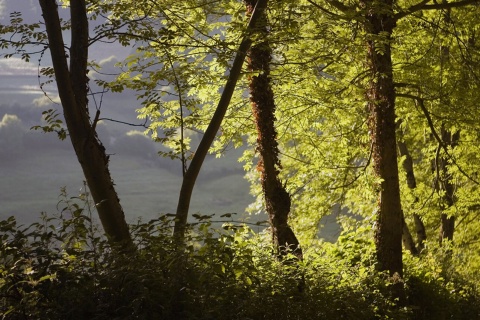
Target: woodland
<point x="370" y="106"/>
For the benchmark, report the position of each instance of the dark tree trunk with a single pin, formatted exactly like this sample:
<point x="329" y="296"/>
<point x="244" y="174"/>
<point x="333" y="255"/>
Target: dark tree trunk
<point x="277" y="199"/>
<point x="72" y="89"/>
<point x="408" y="241"/>
<point x="446" y="184"/>
<point x="407" y="165"/>
<point x="380" y="94"/>
<point x="447" y="228"/>
<point x="420" y="231"/>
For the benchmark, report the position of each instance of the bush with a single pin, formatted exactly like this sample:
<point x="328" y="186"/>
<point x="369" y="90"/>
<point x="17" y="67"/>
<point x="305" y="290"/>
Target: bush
<point x="62" y="268"/>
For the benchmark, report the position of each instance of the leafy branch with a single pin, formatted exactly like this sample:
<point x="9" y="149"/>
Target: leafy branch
<point x="420" y="102"/>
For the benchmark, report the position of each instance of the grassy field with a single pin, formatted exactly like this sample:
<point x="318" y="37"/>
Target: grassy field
<point x="31" y="185"/>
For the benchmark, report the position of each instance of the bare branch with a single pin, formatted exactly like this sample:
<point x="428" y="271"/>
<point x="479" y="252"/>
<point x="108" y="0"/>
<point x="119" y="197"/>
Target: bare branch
<point x="144" y="125"/>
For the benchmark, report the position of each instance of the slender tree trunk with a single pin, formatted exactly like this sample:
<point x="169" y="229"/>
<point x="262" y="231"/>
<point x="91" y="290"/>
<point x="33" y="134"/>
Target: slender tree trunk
<point x="420" y="231"/>
<point x="193" y="170"/>
<point x="407" y="165"/>
<point x="277" y="199"/>
<point x="407" y="238"/>
<point x="380" y="96"/>
<point x="446" y="184"/>
<point x="72" y="87"/>
<point x="408" y="241"/>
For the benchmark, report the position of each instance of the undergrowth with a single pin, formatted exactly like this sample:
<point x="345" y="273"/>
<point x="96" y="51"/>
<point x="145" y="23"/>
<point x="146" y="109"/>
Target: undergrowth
<point x="62" y="268"/>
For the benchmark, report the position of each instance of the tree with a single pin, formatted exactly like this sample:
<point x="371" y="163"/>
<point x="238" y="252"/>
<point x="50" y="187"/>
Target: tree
<point x="380" y="95"/>
<point x="277" y="199"/>
<point x="407" y="164"/>
<point x="384" y="62"/>
<point x="444" y="183"/>
<point x="72" y="86"/>
<point x="192" y="172"/>
<point x="334" y="110"/>
<point x="438" y="79"/>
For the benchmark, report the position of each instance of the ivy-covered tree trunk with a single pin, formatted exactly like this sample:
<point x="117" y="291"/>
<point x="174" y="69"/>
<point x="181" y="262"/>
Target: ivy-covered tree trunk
<point x="72" y="87"/>
<point x="380" y="93"/>
<point x="277" y="199"/>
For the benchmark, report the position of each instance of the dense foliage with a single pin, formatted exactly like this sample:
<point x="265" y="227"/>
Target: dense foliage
<point x="61" y="268"/>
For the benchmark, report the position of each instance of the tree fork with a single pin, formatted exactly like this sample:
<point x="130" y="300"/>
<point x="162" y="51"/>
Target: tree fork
<point x="72" y="88"/>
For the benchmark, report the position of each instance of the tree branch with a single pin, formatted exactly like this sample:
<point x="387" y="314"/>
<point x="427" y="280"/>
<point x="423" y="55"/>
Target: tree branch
<point x="338" y="5"/>
<point x="424" y="6"/>
<point x="421" y="104"/>
<point x="143" y="125"/>
<point x="79" y="51"/>
<point x="316" y="5"/>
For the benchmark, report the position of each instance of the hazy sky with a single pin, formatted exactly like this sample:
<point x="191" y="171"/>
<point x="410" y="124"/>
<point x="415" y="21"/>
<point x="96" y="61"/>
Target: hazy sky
<point x="34" y="166"/>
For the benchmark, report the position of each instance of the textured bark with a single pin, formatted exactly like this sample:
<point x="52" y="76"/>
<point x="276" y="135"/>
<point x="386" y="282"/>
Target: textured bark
<point x="277" y="199"/>
<point x="380" y="96"/>
<point x="193" y="170"/>
<point x="72" y="88"/>
<point x="446" y="184"/>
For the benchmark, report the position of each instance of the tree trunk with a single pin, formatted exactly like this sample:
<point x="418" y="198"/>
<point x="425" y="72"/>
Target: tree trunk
<point x="72" y="88"/>
<point x="407" y="165"/>
<point x="408" y="241"/>
<point x="446" y="184"/>
<point x="277" y="199"/>
<point x="420" y="231"/>
<point x="380" y="96"/>
<point x="193" y="170"/>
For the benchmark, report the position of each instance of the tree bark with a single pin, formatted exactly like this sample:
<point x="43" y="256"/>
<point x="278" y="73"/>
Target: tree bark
<point x="193" y="170"/>
<point x="380" y="94"/>
<point x="72" y="88"/>
<point x="277" y="199"/>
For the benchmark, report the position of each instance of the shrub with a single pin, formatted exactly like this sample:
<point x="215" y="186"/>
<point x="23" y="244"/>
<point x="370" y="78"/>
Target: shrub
<point x="62" y="268"/>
